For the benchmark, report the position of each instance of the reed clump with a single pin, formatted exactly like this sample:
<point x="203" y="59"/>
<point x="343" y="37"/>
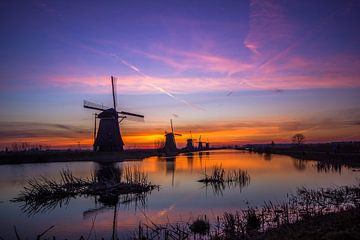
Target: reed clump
<point x="219" y="175"/>
<point x="41" y="194"/>
<point x="219" y="179"/>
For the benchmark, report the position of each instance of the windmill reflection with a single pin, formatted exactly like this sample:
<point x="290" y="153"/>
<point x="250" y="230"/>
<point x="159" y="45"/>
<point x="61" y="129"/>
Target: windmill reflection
<point x="190" y="161"/>
<point x="267" y="156"/>
<point x="170" y="163"/>
<point x="108" y="174"/>
<point x="112" y="174"/>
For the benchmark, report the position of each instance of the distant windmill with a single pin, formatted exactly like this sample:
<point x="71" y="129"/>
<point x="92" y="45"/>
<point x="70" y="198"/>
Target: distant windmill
<point x="170" y="144"/>
<point x="207" y="145"/>
<point x="190" y="143"/>
<point x="200" y="144"/>
<point x="108" y="137"/>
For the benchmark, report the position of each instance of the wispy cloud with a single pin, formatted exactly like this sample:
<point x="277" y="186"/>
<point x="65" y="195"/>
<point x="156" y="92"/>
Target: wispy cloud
<point x="205" y="62"/>
<point x="270" y="28"/>
<point x="148" y="81"/>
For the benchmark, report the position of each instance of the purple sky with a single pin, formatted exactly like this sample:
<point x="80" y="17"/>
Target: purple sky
<point x="233" y="71"/>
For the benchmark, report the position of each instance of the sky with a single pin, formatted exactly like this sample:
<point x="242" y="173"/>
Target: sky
<point x="234" y="72"/>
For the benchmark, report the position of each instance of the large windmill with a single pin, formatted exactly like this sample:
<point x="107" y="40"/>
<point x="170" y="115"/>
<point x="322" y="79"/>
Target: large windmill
<point x="108" y="137"/>
<point x="170" y="144"/>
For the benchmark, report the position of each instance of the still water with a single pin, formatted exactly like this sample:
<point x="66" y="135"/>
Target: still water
<point x="180" y="197"/>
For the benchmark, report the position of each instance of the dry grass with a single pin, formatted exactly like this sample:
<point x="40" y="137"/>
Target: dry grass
<point x="251" y="223"/>
<point x="219" y="179"/>
<point x="43" y="194"/>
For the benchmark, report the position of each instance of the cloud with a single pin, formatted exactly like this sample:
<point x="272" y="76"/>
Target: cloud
<point x="11" y="131"/>
<point x="205" y="62"/>
<point x="270" y="28"/>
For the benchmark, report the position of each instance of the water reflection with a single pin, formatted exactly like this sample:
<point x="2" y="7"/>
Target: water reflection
<point x="267" y="156"/>
<point x="219" y="180"/>
<point x="190" y="161"/>
<point x="109" y="187"/>
<point x="328" y="167"/>
<point x="181" y="196"/>
<point x="107" y="173"/>
<point x="321" y="167"/>
<point x="299" y="164"/>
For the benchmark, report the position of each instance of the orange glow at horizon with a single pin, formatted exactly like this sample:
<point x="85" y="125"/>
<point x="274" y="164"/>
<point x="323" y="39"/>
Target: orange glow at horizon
<point x="217" y="136"/>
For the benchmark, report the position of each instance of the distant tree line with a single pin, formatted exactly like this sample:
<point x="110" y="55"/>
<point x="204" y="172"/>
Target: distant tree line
<point x="24" y="146"/>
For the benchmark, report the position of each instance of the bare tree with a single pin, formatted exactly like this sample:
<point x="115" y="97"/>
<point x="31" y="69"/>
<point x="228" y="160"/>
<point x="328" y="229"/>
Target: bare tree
<point x="159" y="144"/>
<point x="298" y="139"/>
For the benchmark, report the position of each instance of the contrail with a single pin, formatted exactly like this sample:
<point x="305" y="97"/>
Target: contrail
<point x="137" y="70"/>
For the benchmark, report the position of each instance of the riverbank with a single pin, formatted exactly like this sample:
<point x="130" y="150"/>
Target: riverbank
<point x="74" y="156"/>
<point x="50" y="156"/>
<point x="324" y="213"/>
<point x="347" y="154"/>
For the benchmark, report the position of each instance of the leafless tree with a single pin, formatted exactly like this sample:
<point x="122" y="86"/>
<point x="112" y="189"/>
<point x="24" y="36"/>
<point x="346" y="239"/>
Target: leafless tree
<point x="298" y="139"/>
<point x="159" y="143"/>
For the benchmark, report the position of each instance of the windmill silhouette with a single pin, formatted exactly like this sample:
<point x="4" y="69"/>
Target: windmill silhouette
<point x="190" y="143"/>
<point x="200" y="144"/>
<point x="170" y="144"/>
<point x="108" y="137"/>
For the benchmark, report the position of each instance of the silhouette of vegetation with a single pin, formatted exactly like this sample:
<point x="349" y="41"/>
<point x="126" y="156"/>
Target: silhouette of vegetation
<point x="298" y="139"/>
<point x="219" y="179"/>
<point x="43" y="194"/>
<point x="200" y="226"/>
<point x="159" y="144"/>
<point x="24" y="147"/>
<point x="219" y="175"/>
<point x="336" y="153"/>
<point x="32" y="156"/>
<point x="326" y="213"/>
<point x="306" y="205"/>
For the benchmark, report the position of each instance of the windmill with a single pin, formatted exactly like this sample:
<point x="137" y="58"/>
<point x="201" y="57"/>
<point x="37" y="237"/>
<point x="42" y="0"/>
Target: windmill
<point x="200" y="144"/>
<point x="108" y="137"/>
<point x="207" y="145"/>
<point x="170" y="144"/>
<point x="190" y="143"/>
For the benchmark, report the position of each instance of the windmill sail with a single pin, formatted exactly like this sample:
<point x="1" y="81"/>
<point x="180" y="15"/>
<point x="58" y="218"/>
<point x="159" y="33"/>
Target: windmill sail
<point x="113" y="86"/>
<point x="95" y="106"/>
<point x="131" y="114"/>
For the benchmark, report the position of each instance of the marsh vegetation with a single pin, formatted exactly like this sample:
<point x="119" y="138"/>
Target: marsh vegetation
<point x="42" y="194"/>
<point x="253" y="223"/>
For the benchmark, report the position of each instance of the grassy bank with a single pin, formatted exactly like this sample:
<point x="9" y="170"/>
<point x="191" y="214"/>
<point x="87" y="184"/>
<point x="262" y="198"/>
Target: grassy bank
<point x="341" y="225"/>
<point x="326" y="213"/>
<point x="333" y="153"/>
<point x="71" y="156"/>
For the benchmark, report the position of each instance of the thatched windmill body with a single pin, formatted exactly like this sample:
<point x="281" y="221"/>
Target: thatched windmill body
<point x="170" y="144"/>
<point x="108" y="137"/>
<point x="200" y="144"/>
<point x="190" y="143"/>
<point x="207" y="145"/>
